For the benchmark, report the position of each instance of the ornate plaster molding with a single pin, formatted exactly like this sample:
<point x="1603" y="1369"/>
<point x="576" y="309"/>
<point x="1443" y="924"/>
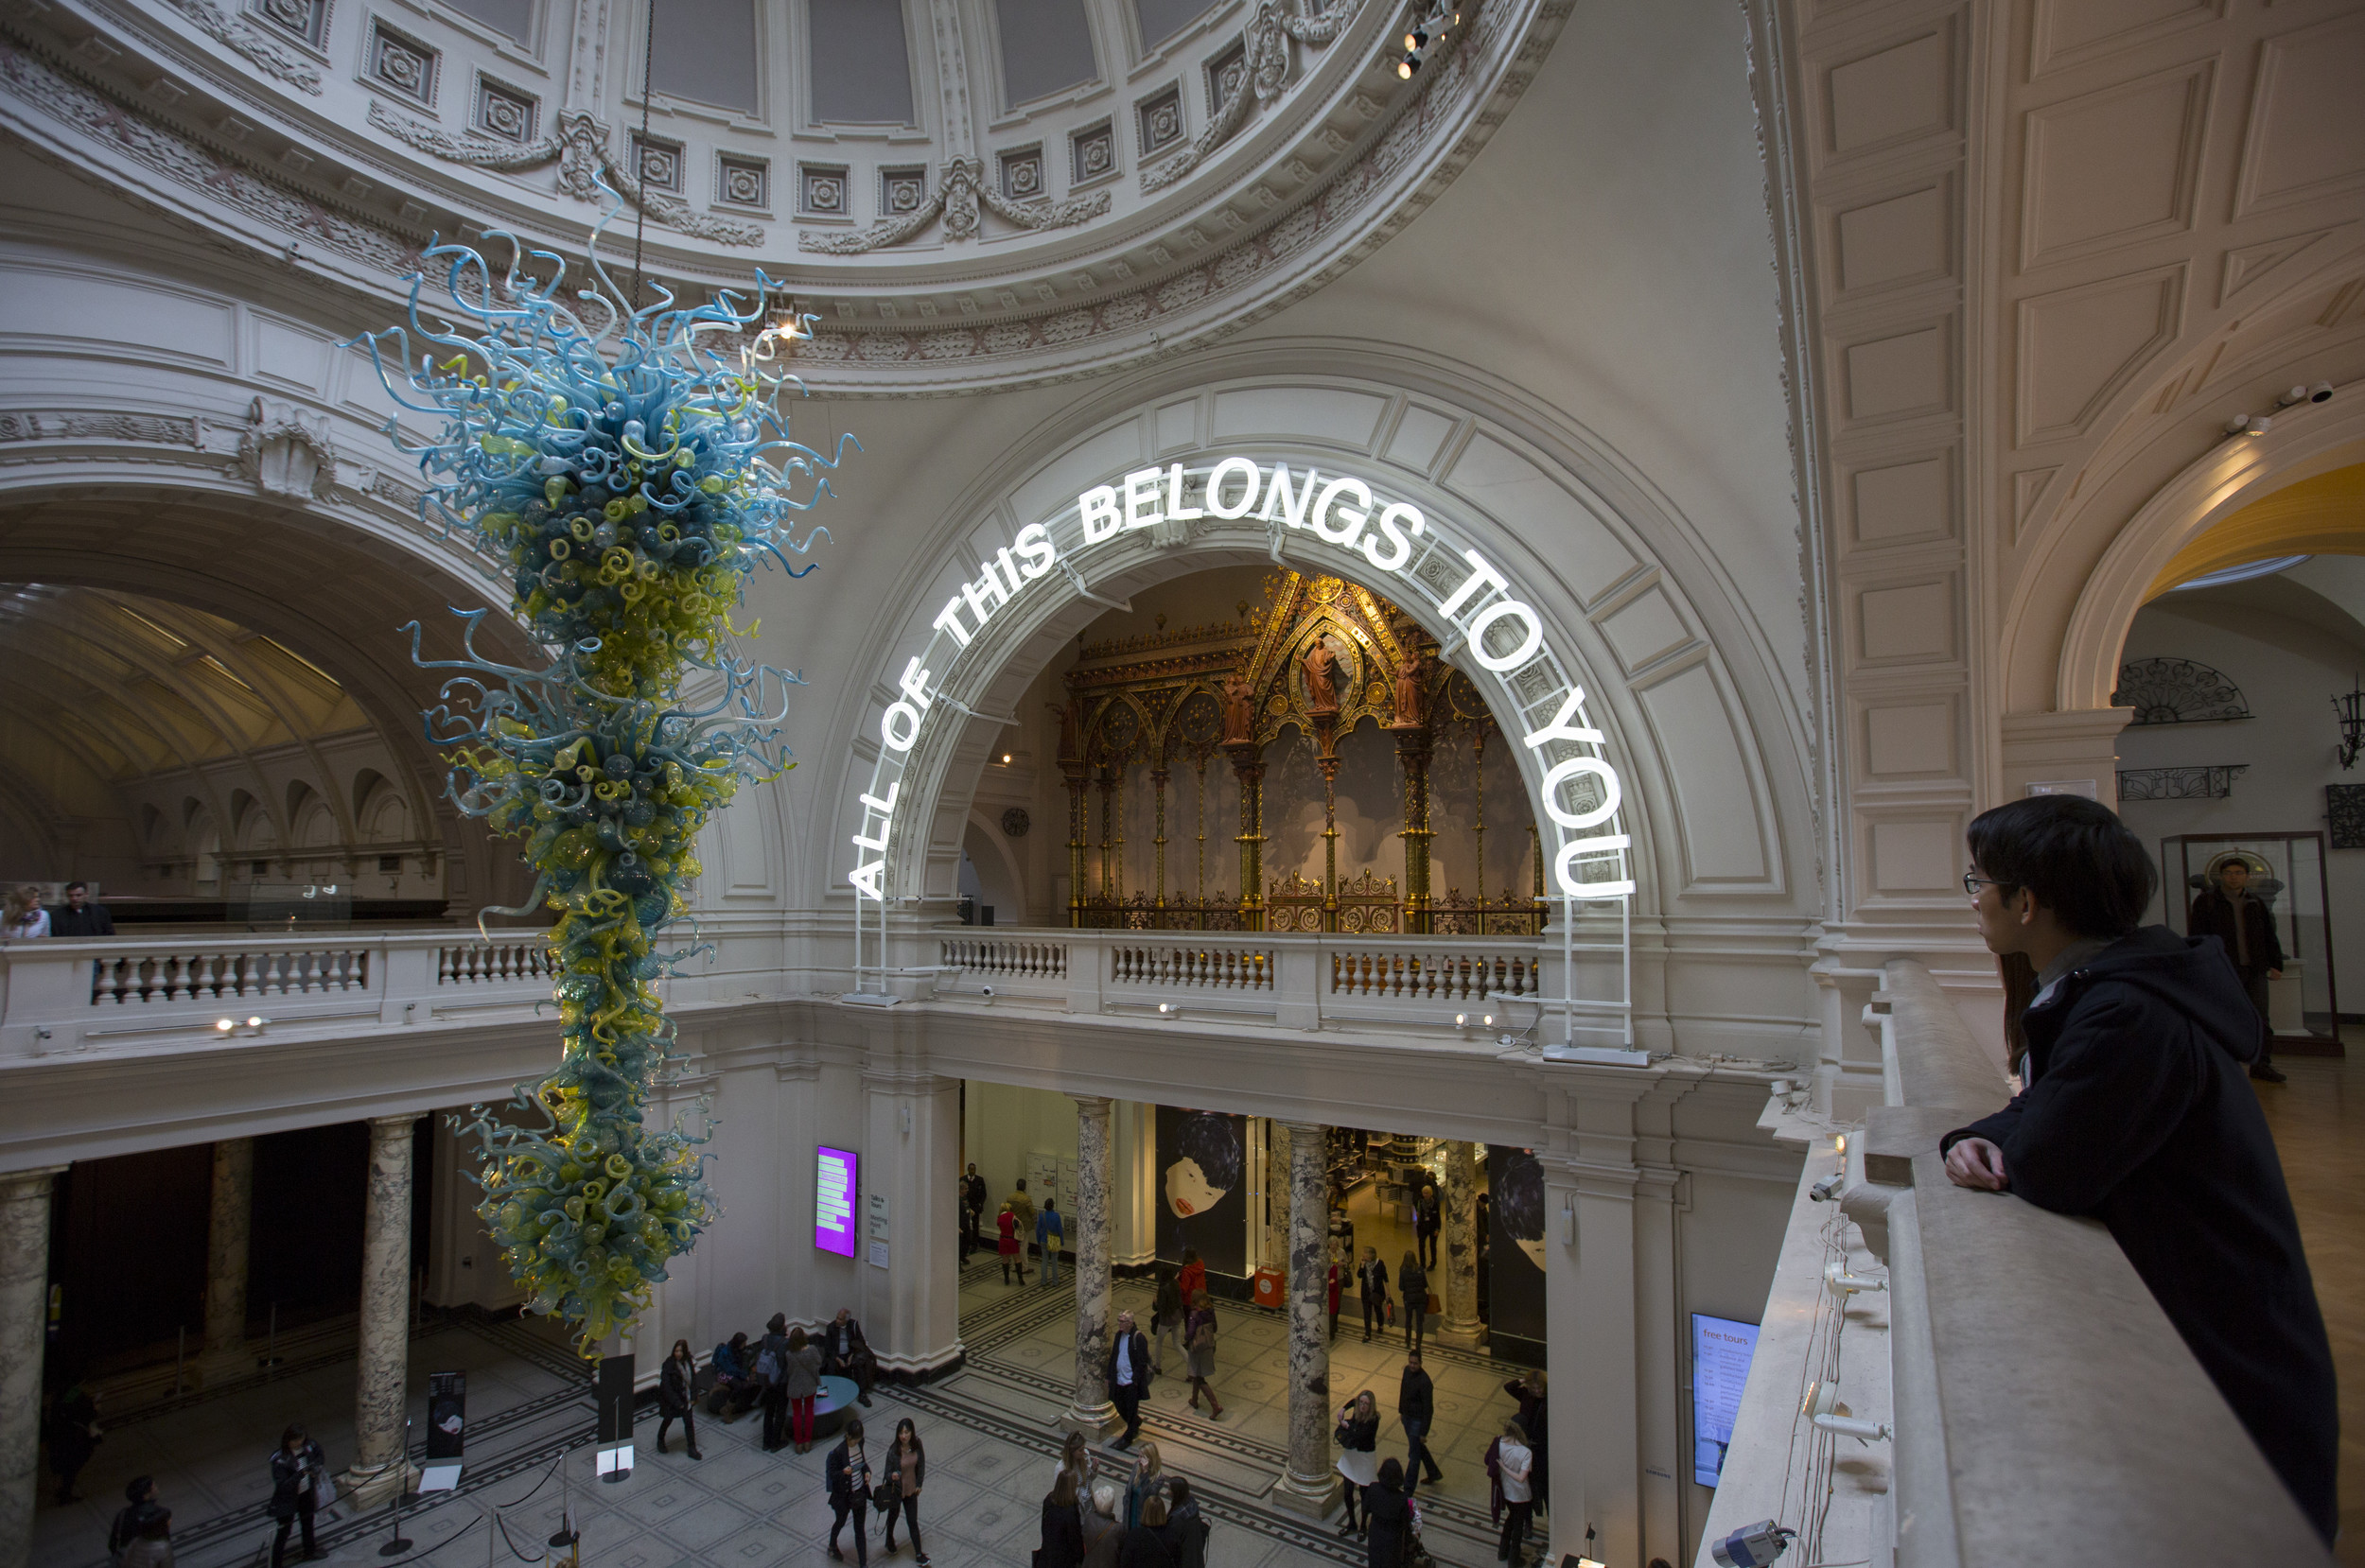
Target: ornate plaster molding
<point x="1264" y="69"/>
<point x="235" y="34"/>
<point x="580" y="146"/>
<point x="98" y="425"/>
<point x="287" y="452"/>
<point x="961" y="189"/>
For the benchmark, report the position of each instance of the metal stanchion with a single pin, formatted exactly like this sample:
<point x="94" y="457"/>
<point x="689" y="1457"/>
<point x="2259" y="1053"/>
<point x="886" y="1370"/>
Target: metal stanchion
<point x="397" y="1545"/>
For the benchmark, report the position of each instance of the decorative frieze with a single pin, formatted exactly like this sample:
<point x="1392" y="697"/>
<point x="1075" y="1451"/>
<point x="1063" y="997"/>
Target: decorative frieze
<point x="400" y="63"/>
<point x="743" y="181"/>
<point x="504" y="113"/>
<point x="237" y="34"/>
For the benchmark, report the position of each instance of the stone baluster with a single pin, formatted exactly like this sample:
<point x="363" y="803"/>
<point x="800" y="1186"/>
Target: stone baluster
<point x="1089" y="1213"/>
<point x="1308" y="1485"/>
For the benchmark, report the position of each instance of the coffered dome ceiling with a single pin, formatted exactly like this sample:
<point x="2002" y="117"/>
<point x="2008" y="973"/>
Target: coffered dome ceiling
<point x="967" y="192"/>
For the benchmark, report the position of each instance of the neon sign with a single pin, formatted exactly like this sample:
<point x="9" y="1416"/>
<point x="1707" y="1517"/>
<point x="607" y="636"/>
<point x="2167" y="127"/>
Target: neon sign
<point x="1474" y="603"/>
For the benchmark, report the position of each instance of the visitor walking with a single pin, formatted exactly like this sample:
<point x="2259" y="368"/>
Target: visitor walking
<point x="297" y="1469"/>
<point x="1412" y="1280"/>
<point x="674" y="1386"/>
<point x="1416" y="1411"/>
<point x="1194" y="1276"/>
<point x="1357" y="1436"/>
<point x="1428" y="1218"/>
<point x="139" y="1501"/>
<point x="1075" y="1459"/>
<point x="1050" y="1234"/>
<point x="1128" y="1376"/>
<point x="1516" y="1462"/>
<point x="847" y="1478"/>
<point x="1331" y="1284"/>
<point x="800" y="1381"/>
<point x="150" y="1546"/>
<point x="973" y="1204"/>
<point x="1387" y="1519"/>
<point x="1022" y="1209"/>
<point x="1007" y="1223"/>
<point x="2239" y="919"/>
<point x="1062" y="1544"/>
<point x="1166" y="1319"/>
<point x="771" y="1366"/>
<point x="1372" y="1281"/>
<point x="907" y="1467"/>
<point x="1199" y="1335"/>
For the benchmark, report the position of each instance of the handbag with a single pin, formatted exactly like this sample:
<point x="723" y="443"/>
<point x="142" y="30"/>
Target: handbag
<point x="323" y="1491"/>
<point x="1435" y="1306"/>
<point x="886" y="1496"/>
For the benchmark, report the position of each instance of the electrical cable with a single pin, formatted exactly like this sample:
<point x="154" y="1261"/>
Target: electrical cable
<point x="641" y="152"/>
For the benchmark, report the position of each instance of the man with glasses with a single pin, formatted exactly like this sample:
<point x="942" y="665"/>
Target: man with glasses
<point x="2137" y="1110"/>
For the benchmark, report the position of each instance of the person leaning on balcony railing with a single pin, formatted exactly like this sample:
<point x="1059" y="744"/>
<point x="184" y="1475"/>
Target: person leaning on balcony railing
<point x="2137" y="1109"/>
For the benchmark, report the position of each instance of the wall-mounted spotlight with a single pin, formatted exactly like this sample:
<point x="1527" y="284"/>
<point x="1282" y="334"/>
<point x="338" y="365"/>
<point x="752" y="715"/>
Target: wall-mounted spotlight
<point x="1169" y="1009"/>
<point x="241" y="1028"/>
<point x="2248" y="424"/>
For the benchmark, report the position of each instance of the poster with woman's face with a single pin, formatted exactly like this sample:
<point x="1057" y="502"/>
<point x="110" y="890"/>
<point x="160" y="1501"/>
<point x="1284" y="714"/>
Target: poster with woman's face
<point x="1202" y="1158"/>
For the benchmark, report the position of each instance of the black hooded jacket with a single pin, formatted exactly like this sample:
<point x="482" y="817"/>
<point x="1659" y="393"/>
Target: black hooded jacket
<point x="2138" y="1111"/>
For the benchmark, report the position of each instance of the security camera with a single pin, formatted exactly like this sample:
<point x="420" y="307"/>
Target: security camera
<point x="986" y="991"/>
<point x="2319" y="393"/>
<point x="2248" y="424"/>
<point x="1828" y="1188"/>
<point x="1752" y="1545"/>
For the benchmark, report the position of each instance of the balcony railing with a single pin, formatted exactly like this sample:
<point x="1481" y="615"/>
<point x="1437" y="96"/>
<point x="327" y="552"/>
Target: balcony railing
<point x="1381" y="980"/>
<point x="2033" y="1402"/>
<point x="66" y="994"/>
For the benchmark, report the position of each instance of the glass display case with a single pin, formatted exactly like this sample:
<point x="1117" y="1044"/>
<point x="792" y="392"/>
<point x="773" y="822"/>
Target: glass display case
<point x="2286" y="874"/>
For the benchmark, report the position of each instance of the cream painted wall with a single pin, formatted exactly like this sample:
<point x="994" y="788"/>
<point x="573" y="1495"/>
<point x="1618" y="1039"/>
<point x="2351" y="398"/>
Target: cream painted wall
<point x="1002" y="1125"/>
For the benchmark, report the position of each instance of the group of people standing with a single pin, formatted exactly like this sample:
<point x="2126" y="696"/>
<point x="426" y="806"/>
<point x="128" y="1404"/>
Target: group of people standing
<point x="1152" y="1516"/>
<point x="1016" y="1223"/>
<point x="892" y="1487"/>
<point x="781" y="1373"/>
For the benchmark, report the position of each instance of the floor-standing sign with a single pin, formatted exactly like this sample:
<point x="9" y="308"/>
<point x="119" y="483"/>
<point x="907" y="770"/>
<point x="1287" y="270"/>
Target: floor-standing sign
<point x="446" y="1430"/>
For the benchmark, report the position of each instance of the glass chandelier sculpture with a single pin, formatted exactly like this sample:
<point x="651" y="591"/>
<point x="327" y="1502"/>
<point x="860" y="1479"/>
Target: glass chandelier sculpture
<point x="626" y="467"/>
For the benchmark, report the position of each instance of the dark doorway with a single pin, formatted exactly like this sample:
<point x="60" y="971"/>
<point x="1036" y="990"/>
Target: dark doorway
<point x="129" y="1255"/>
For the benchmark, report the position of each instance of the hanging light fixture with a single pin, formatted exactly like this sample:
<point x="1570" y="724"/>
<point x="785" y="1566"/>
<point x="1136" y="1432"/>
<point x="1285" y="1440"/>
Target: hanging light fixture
<point x="2352" y="711"/>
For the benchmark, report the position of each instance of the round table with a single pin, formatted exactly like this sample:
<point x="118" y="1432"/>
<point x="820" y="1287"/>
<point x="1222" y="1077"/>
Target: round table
<point x="829" y="1408"/>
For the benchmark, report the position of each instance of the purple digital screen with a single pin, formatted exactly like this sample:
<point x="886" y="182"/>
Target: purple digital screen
<point x="836" y="1183"/>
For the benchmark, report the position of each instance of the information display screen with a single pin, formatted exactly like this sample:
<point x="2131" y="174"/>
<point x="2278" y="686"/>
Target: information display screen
<point x="1721" y="1349"/>
<point x="836" y="1183"/>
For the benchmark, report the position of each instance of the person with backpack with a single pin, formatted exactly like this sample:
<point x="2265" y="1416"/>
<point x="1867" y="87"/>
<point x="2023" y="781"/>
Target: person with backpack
<point x="800" y="1380"/>
<point x="297" y="1467"/>
<point x="1050" y="1235"/>
<point x="1165" y="1320"/>
<point x="1185" y="1532"/>
<point x="771" y="1369"/>
<point x="847" y="1476"/>
<point x="139" y="1500"/>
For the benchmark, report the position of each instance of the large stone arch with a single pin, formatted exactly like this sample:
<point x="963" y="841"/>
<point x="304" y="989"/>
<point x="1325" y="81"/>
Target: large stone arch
<point x="1683" y="685"/>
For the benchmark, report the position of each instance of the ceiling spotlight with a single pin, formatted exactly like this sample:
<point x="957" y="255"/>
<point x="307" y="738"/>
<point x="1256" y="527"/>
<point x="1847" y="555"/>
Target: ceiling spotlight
<point x="2319" y="393"/>
<point x="1006" y="760"/>
<point x="2297" y="394"/>
<point x="2248" y="424"/>
<point x="1414" y="39"/>
<point x="225" y="1025"/>
<point x="1406" y="66"/>
<point x="1169" y="1009"/>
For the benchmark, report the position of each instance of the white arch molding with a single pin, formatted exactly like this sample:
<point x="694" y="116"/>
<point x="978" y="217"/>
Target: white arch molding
<point x="1700" y="805"/>
<point x="2230" y="475"/>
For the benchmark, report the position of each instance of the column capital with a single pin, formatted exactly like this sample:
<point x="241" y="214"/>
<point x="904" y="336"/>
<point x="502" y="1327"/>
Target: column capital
<point x="385" y="1127"/>
<point x="1307" y="1129"/>
<point x="30" y="1185"/>
<point x="1097" y="1105"/>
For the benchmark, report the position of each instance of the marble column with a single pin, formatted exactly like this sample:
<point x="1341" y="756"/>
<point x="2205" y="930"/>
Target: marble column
<point x="379" y="1464"/>
<point x="1089" y="1212"/>
<point x="1308" y="1485"/>
<point x="226" y="1238"/>
<point x="1461" y="1325"/>
<point x="24" y="1322"/>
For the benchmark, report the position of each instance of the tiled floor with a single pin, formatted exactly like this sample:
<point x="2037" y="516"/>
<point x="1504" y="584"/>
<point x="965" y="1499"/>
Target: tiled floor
<point x="990" y="1431"/>
<point x="2319" y="1123"/>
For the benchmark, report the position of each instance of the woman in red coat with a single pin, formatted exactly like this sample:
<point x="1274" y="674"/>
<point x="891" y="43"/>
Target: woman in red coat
<point x="1008" y="1224"/>
<point x="1194" y="1276"/>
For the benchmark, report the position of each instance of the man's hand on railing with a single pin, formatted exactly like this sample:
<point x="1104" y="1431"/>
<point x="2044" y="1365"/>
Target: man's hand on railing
<point x="1976" y="1163"/>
